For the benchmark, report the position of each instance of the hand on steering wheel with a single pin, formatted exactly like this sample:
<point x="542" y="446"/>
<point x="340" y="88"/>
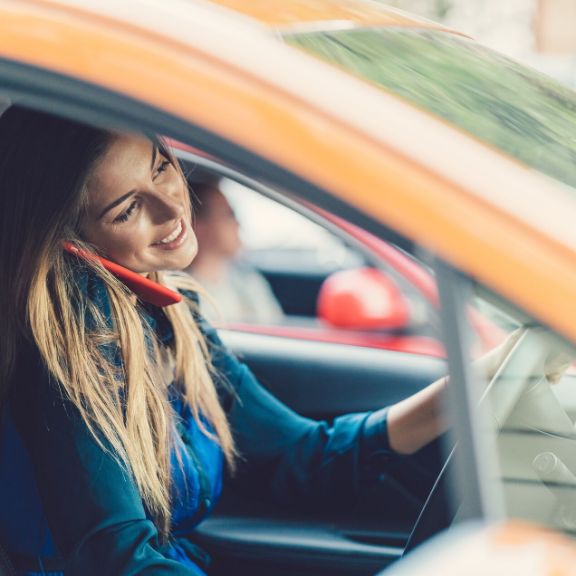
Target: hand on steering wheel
<point x="495" y="366"/>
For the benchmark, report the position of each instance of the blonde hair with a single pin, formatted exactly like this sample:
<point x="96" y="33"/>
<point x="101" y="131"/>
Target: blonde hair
<point x="124" y="405"/>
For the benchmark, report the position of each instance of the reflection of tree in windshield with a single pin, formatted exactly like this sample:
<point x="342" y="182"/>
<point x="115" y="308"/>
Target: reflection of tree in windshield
<point x="522" y="112"/>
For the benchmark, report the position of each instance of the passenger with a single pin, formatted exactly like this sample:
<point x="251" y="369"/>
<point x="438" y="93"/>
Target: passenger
<point x="119" y="417"/>
<point x="238" y="292"/>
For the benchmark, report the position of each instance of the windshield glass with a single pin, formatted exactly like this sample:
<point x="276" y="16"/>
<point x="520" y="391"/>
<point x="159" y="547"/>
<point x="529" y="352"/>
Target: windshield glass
<point x="526" y="418"/>
<point x="523" y="113"/>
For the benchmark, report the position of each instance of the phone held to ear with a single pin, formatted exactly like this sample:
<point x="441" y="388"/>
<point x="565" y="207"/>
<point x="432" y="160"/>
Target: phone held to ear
<point x="145" y="289"/>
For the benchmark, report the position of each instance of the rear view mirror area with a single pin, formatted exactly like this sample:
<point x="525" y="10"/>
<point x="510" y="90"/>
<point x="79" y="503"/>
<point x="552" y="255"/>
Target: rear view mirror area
<point x="362" y="299"/>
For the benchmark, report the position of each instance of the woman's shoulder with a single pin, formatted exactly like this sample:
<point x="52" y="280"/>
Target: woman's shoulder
<point x="192" y="291"/>
<point x="89" y="287"/>
<point x="184" y="284"/>
<point x="191" y="296"/>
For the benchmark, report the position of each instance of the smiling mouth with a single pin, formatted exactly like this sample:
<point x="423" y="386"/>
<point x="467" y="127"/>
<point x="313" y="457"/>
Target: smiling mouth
<point x="175" y="238"/>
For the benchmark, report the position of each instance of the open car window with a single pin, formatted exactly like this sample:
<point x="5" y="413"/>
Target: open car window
<point x="293" y="254"/>
<point x="307" y="262"/>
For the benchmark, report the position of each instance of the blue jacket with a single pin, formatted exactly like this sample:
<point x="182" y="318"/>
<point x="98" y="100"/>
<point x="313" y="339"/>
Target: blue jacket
<point x="68" y="508"/>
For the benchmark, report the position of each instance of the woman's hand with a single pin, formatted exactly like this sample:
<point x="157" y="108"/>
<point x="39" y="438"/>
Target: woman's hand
<point x="419" y="419"/>
<point x="555" y="365"/>
<point x="488" y="364"/>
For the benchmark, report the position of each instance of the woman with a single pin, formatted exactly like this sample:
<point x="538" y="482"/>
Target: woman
<point x="119" y="417"/>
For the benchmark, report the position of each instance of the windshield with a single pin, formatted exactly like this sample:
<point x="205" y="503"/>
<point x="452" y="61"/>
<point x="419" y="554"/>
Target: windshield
<point x="526" y="418"/>
<point x="523" y="113"/>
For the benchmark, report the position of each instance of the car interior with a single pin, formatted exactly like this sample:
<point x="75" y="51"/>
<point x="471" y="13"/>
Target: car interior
<point x="529" y="411"/>
<point x="531" y="421"/>
<point x="299" y="253"/>
<point x="526" y="417"/>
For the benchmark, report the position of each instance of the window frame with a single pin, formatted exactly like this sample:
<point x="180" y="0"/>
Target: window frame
<point x="471" y="477"/>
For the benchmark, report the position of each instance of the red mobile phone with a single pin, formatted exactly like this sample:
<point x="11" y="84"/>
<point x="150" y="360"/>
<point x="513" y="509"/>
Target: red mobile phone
<point x="145" y="289"/>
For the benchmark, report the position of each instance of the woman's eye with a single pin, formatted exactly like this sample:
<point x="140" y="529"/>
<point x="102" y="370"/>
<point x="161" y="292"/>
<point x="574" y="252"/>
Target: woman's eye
<point x="127" y="213"/>
<point x="163" y="166"/>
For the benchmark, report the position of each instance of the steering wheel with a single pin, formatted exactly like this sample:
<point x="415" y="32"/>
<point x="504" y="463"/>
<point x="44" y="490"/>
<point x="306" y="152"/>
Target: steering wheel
<point x="521" y="374"/>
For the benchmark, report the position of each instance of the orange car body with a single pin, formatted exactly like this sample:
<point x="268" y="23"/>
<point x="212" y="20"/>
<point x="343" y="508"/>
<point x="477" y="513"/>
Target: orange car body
<point x="221" y="66"/>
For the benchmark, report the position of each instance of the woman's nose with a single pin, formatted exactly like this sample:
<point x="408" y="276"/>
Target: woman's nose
<point x="167" y="207"/>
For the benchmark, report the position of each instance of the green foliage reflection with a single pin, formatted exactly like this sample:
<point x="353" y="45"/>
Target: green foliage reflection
<point x="523" y="113"/>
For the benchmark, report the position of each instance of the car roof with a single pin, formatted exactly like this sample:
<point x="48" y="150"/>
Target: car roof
<point x="398" y="165"/>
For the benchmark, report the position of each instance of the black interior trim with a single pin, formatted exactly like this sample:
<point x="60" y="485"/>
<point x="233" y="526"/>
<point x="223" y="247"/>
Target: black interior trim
<point x="291" y="543"/>
<point x="327" y="371"/>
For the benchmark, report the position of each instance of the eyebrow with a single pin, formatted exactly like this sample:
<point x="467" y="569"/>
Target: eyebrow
<point x="115" y="203"/>
<point x="121" y="199"/>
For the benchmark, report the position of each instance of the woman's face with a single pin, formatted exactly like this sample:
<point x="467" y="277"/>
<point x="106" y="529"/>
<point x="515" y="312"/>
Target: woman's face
<point x="138" y="210"/>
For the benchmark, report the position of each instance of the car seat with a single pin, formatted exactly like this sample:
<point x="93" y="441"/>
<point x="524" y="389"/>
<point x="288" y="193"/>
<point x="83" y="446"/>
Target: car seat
<point x="6" y="566"/>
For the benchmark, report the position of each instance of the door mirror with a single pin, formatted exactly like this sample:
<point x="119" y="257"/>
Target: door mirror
<point x="362" y="299"/>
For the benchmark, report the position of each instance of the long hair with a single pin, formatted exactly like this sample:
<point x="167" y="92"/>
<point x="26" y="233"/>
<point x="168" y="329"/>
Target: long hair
<point x="45" y="162"/>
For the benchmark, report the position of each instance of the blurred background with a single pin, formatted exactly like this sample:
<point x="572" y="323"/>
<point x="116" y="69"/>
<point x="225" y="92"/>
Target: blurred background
<point x="540" y="33"/>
